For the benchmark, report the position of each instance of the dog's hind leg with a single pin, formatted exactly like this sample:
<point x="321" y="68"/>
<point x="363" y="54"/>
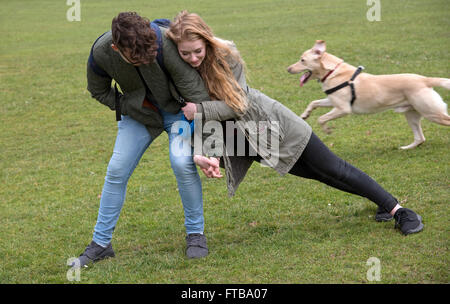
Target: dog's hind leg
<point x="413" y="119"/>
<point x="316" y="104"/>
<point x="431" y="106"/>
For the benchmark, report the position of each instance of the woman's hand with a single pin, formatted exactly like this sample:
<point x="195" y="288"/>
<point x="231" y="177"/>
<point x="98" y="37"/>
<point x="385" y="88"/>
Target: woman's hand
<point x="209" y="166"/>
<point x="189" y="110"/>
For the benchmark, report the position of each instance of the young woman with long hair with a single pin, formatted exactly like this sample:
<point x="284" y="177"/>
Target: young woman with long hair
<point x="299" y="151"/>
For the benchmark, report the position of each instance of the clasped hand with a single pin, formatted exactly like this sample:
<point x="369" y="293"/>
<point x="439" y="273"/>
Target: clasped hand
<point x="189" y="110"/>
<point x="209" y="166"/>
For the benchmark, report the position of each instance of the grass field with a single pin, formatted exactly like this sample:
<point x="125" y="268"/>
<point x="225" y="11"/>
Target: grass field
<point x="56" y="142"/>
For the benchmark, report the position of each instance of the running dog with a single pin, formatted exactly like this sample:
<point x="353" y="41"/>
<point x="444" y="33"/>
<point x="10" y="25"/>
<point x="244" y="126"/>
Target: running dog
<point x="351" y="91"/>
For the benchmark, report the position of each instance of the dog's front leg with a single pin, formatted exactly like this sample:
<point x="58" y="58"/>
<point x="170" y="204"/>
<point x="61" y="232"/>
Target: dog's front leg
<point x="316" y="104"/>
<point x="333" y="114"/>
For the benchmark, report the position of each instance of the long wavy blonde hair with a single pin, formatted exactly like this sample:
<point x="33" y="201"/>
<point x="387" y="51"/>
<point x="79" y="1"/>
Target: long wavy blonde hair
<point x="214" y="70"/>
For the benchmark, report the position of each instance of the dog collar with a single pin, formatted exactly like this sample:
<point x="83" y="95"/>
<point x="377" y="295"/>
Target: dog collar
<point x="329" y="73"/>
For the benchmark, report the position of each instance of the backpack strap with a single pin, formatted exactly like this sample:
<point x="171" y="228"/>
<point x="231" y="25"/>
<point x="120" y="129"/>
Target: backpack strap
<point x="155" y="24"/>
<point x="117" y="97"/>
<point x="159" y="54"/>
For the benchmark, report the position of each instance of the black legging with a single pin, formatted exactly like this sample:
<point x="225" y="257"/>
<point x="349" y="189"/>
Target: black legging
<point x="319" y="163"/>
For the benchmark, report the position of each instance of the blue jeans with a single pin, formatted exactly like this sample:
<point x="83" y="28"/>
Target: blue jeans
<point x="131" y="142"/>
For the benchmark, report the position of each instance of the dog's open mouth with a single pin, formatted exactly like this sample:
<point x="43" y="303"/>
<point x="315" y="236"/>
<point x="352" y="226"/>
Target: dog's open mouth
<point x="305" y="77"/>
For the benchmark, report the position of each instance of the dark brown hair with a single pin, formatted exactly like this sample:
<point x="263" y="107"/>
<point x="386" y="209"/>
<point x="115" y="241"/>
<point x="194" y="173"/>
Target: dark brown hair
<point x="133" y="33"/>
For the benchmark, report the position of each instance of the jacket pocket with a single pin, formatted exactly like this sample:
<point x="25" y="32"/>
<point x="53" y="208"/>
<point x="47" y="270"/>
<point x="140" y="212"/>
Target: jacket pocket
<point x="138" y="110"/>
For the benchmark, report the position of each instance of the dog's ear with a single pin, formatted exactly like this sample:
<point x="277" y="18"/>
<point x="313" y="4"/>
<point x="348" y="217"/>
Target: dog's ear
<point x="328" y="61"/>
<point x="320" y="47"/>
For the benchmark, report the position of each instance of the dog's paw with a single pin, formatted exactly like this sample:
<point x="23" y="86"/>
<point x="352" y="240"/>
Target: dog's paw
<point x="305" y="115"/>
<point x="407" y="147"/>
<point x="327" y="130"/>
<point x="411" y="146"/>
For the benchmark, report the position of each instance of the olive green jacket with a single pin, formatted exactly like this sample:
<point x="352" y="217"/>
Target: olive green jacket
<point x="283" y="133"/>
<point x="186" y="79"/>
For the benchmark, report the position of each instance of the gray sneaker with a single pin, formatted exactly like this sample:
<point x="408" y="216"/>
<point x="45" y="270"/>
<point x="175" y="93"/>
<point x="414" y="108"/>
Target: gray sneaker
<point x="382" y="215"/>
<point x="408" y="221"/>
<point x="93" y="253"/>
<point x="196" y="246"/>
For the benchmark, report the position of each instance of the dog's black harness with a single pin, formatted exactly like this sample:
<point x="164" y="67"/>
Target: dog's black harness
<point x="347" y="83"/>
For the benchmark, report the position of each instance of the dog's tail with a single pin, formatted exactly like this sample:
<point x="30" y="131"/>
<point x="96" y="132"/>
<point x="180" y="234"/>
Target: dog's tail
<point x="438" y="82"/>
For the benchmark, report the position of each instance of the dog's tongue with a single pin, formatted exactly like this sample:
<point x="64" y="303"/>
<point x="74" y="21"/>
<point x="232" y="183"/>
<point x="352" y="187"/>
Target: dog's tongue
<point x="304" y="78"/>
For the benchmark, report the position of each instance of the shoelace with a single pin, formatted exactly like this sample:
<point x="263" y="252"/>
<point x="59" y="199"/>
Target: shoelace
<point x="403" y="217"/>
<point x="91" y="251"/>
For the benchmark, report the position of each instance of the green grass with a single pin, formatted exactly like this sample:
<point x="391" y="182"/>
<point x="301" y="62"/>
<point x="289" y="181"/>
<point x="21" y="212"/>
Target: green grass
<point x="56" y="142"/>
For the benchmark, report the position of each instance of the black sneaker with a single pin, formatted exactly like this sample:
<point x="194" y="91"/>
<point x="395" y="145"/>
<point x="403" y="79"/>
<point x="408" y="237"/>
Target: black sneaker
<point x="94" y="253"/>
<point x="196" y="246"/>
<point x="408" y="221"/>
<point x="382" y="215"/>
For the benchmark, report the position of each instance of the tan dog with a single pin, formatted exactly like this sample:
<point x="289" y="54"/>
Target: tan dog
<point x="410" y="94"/>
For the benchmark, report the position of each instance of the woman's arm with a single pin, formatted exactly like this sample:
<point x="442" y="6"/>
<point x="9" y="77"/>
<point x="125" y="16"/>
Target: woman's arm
<point x="211" y="110"/>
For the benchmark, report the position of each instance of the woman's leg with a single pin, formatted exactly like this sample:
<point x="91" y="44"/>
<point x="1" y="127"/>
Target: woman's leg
<point x="319" y="163"/>
<point x="131" y="142"/>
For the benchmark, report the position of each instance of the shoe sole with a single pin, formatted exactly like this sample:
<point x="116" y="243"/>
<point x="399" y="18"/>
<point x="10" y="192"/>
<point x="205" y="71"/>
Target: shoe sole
<point x="198" y="255"/>
<point x="417" y="229"/>
<point x="384" y="219"/>
<point x="89" y="261"/>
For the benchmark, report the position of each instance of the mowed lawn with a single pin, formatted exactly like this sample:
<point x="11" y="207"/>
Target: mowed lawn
<point x="56" y="142"/>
